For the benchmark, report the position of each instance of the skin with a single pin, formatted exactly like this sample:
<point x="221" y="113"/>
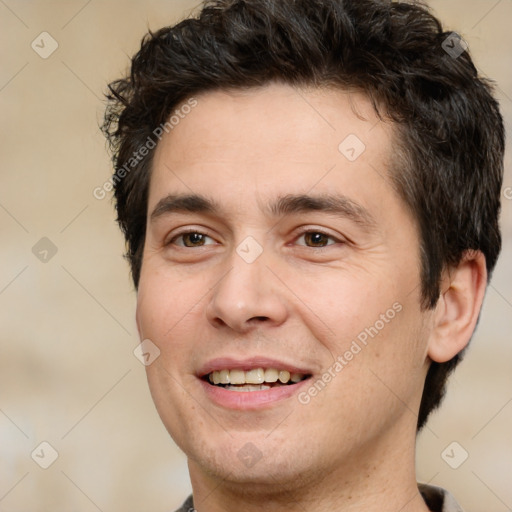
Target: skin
<point x="352" y="446"/>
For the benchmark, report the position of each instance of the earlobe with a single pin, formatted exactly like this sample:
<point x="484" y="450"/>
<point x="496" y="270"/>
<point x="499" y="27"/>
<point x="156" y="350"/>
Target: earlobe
<point x="456" y="313"/>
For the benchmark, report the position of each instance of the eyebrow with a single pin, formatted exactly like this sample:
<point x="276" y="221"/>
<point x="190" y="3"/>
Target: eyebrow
<point x="335" y="204"/>
<point x="182" y="203"/>
<point x="289" y="204"/>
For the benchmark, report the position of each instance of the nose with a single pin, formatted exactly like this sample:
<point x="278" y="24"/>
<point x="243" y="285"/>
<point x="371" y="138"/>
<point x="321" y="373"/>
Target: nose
<point x="247" y="297"/>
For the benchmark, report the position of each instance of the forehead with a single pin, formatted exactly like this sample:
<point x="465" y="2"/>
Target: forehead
<point x="272" y="139"/>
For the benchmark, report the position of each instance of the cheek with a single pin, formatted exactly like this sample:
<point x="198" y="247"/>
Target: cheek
<point x="164" y="305"/>
<point x="347" y="302"/>
<point x="371" y="321"/>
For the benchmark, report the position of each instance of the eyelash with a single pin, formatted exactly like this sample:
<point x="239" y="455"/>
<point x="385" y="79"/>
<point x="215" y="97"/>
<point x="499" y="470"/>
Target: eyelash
<point x="300" y="235"/>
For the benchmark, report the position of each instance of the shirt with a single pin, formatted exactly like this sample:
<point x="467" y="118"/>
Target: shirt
<point x="436" y="498"/>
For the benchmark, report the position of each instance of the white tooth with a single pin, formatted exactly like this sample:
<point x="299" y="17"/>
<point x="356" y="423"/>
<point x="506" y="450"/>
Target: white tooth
<point x="210" y="377"/>
<point x="271" y="375"/>
<point x="248" y="387"/>
<point x="296" y="377"/>
<point x="237" y="377"/>
<point x="224" y="377"/>
<point x="284" y="376"/>
<point x="256" y="376"/>
<point x="216" y="377"/>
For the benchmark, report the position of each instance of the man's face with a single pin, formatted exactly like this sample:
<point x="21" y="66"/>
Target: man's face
<point x="295" y="259"/>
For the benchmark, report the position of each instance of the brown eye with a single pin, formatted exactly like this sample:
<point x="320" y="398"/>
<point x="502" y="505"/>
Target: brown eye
<point x="316" y="239"/>
<point x="191" y="239"/>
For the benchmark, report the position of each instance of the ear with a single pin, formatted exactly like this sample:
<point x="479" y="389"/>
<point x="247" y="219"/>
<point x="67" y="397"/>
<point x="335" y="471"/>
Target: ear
<point x="457" y="310"/>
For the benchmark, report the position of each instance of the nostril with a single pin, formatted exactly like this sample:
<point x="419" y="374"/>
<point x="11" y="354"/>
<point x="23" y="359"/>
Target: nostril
<point x="259" y="318"/>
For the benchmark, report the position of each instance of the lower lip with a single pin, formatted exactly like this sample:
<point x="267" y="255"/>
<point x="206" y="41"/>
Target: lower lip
<point x="250" y="399"/>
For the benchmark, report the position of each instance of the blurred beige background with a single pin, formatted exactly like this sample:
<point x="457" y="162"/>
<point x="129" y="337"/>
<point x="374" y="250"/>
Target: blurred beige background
<point x="68" y="375"/>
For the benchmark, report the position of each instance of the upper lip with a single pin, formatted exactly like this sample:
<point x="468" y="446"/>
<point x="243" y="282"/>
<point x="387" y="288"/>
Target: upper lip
<point x="231" y="363"/>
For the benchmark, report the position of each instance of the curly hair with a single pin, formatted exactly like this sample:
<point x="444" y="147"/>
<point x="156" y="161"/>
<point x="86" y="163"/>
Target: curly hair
<point x="449" y="132"/>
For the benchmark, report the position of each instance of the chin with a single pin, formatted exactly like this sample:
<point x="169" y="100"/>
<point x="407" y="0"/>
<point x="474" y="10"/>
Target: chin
<point x="267" y="473"/>
<point x="252" y="461"/>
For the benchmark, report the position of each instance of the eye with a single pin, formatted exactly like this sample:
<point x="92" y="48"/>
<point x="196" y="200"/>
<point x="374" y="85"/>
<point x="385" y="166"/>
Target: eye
<point x="317" y="239"/>
<point x="191" y="239"/>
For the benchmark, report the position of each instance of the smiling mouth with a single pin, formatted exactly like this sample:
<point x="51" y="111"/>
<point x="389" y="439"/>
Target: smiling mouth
<point x="256" y="379"/>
